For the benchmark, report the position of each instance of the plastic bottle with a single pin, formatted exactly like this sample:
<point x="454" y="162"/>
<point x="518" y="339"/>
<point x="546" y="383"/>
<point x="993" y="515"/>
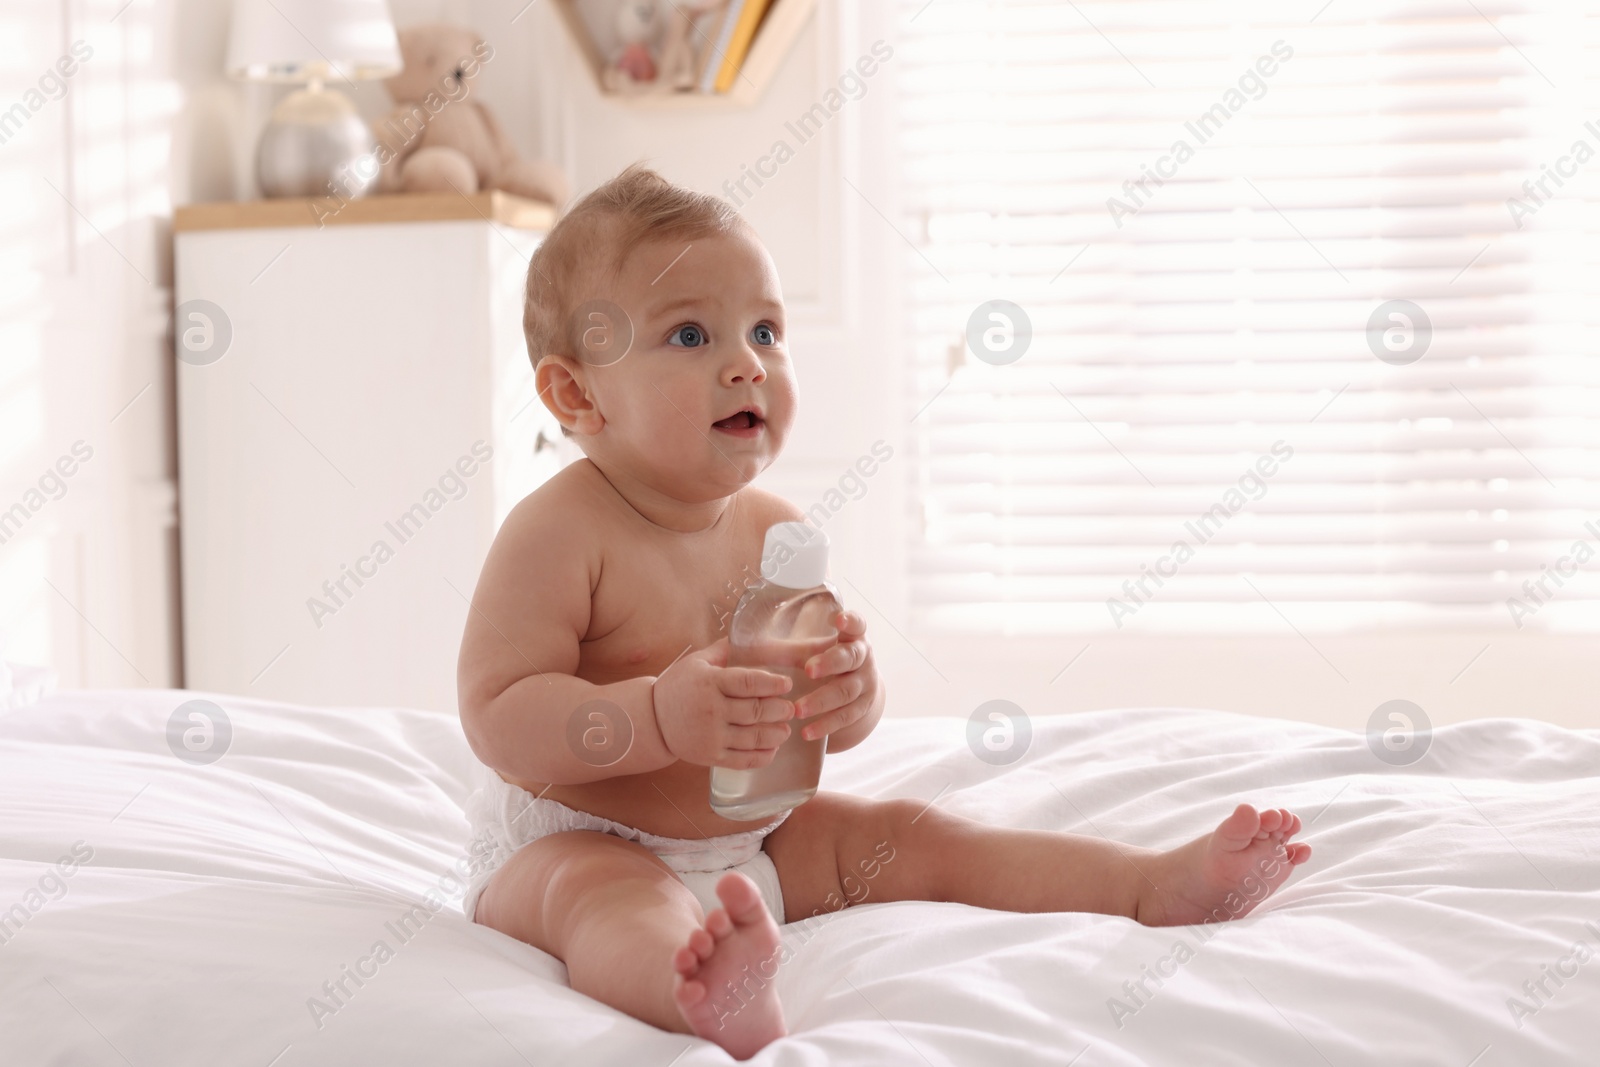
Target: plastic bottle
<point x="781" y="622"/>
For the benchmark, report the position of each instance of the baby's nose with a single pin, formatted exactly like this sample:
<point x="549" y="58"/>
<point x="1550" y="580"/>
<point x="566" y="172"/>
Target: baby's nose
<point x="747" y="368"/>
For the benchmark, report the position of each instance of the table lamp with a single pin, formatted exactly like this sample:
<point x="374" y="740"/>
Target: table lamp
<point x="314" y="142"/>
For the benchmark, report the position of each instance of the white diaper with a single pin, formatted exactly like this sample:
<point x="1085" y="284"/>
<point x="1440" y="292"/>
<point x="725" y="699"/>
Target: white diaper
<point x="505" y="817"/>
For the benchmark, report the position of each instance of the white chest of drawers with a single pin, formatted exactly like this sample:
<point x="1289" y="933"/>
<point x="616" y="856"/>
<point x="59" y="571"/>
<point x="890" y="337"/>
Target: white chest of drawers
<point x="345" y="460"/>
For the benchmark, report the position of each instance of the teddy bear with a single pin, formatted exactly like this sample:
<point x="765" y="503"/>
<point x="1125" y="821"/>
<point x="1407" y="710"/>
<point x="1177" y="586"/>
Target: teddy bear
<point x="438" y="138"/>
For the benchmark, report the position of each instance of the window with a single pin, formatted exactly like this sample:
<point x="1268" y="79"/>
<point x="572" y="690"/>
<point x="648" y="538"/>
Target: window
<point x="1308" y="300"/>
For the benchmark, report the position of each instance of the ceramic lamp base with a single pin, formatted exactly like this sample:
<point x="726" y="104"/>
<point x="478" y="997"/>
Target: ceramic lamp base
<point x="315" y="144"/>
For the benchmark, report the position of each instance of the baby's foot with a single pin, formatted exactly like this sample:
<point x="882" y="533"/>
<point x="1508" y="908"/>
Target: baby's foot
<point x="1225" y="874"/>
<point x="724" y="988"/>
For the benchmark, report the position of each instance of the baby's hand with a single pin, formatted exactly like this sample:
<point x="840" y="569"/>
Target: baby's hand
<point x="848" y="698"/>
<point x="714" y="715"/>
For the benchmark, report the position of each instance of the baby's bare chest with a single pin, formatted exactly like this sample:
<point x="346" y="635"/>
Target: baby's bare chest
<point x="650" y="608"/>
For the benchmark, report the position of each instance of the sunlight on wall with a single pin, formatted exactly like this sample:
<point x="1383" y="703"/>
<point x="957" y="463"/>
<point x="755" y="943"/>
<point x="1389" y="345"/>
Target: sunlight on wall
<point x="86" y="110"/>
<point x="22" y="403"/>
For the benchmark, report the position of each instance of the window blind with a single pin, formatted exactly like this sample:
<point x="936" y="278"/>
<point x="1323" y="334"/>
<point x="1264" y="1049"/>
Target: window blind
<point x="1221" y="420"/>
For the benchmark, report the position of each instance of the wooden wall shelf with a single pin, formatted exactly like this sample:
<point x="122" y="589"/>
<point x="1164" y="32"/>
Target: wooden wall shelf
<point x="776" y="36"/>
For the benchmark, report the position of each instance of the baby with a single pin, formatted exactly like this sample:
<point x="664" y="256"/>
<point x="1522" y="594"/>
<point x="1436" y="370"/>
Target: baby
<point x="595" y="688"/>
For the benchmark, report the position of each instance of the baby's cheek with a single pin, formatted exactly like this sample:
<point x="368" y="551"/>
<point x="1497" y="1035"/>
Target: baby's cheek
<point x="668" y="438"/>
<point x="784" y="405"/>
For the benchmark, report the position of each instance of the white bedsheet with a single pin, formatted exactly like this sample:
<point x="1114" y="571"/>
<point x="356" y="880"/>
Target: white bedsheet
<point x="220" y="898"/>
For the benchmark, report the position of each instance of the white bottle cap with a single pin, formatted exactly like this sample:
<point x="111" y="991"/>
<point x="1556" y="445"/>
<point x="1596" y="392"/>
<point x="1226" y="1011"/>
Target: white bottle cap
<point x="795" y="555"/>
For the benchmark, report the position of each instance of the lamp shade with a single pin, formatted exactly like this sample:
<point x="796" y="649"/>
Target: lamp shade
<point x="298" y="40"/>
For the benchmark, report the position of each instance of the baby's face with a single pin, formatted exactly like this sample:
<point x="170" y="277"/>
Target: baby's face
<point x="703" y="400"/>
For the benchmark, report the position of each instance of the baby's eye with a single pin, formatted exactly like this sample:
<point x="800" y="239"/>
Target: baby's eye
<point x="687" y="336"/>
<point x="763" y="335"/>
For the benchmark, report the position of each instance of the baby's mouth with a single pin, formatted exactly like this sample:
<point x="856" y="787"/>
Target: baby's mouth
<point x="740" y="424"/>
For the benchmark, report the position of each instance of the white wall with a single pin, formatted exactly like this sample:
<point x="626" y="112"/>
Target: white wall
<point x="839" y="259"/>
<point x="86" y="582"/>
<point x="151" y="121"/>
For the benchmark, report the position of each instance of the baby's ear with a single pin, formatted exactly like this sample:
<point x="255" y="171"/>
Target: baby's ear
<point x="561" y="385"/>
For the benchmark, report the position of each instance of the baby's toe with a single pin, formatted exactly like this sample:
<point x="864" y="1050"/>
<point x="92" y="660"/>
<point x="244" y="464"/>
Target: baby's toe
<point x="741" y="898"/>
<point x="1299" y="852"/>
<point x="1239" y="829"/>
<point x="1271" y="819"/>
<point x="689" y="992"/>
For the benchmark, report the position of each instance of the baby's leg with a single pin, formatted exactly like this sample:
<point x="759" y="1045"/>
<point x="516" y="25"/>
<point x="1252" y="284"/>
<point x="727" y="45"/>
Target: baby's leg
<point x="608" y="908"/>
<point x="836" y="848"/>
<point x="1216" y="877"/>
<point x="634" y="937"/>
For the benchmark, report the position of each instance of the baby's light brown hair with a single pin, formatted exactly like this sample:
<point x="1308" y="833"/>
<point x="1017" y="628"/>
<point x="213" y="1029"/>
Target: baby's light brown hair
<point x="593" y="240"/>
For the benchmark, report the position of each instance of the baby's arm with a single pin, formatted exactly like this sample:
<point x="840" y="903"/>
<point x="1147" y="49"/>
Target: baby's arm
<point x="515" y="680"/>
<point x="516" y="687"/>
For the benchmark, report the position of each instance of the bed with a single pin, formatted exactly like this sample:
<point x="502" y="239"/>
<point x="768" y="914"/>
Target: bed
<point x="206" y="909"/>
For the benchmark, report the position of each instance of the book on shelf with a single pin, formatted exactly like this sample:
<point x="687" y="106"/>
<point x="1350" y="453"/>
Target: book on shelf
<point x="744" y="31"/>
<point x="731" y="43"/>
<point x="717" y="32"/>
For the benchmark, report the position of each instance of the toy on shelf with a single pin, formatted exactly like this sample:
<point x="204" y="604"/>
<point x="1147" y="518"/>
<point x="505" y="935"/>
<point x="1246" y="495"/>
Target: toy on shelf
<point x="439" y="138"/>
<point x="684" y="53"/>
<point x="660" y="49"/>
<point x="633" y="68"/>
<point x="687" y="45"/>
